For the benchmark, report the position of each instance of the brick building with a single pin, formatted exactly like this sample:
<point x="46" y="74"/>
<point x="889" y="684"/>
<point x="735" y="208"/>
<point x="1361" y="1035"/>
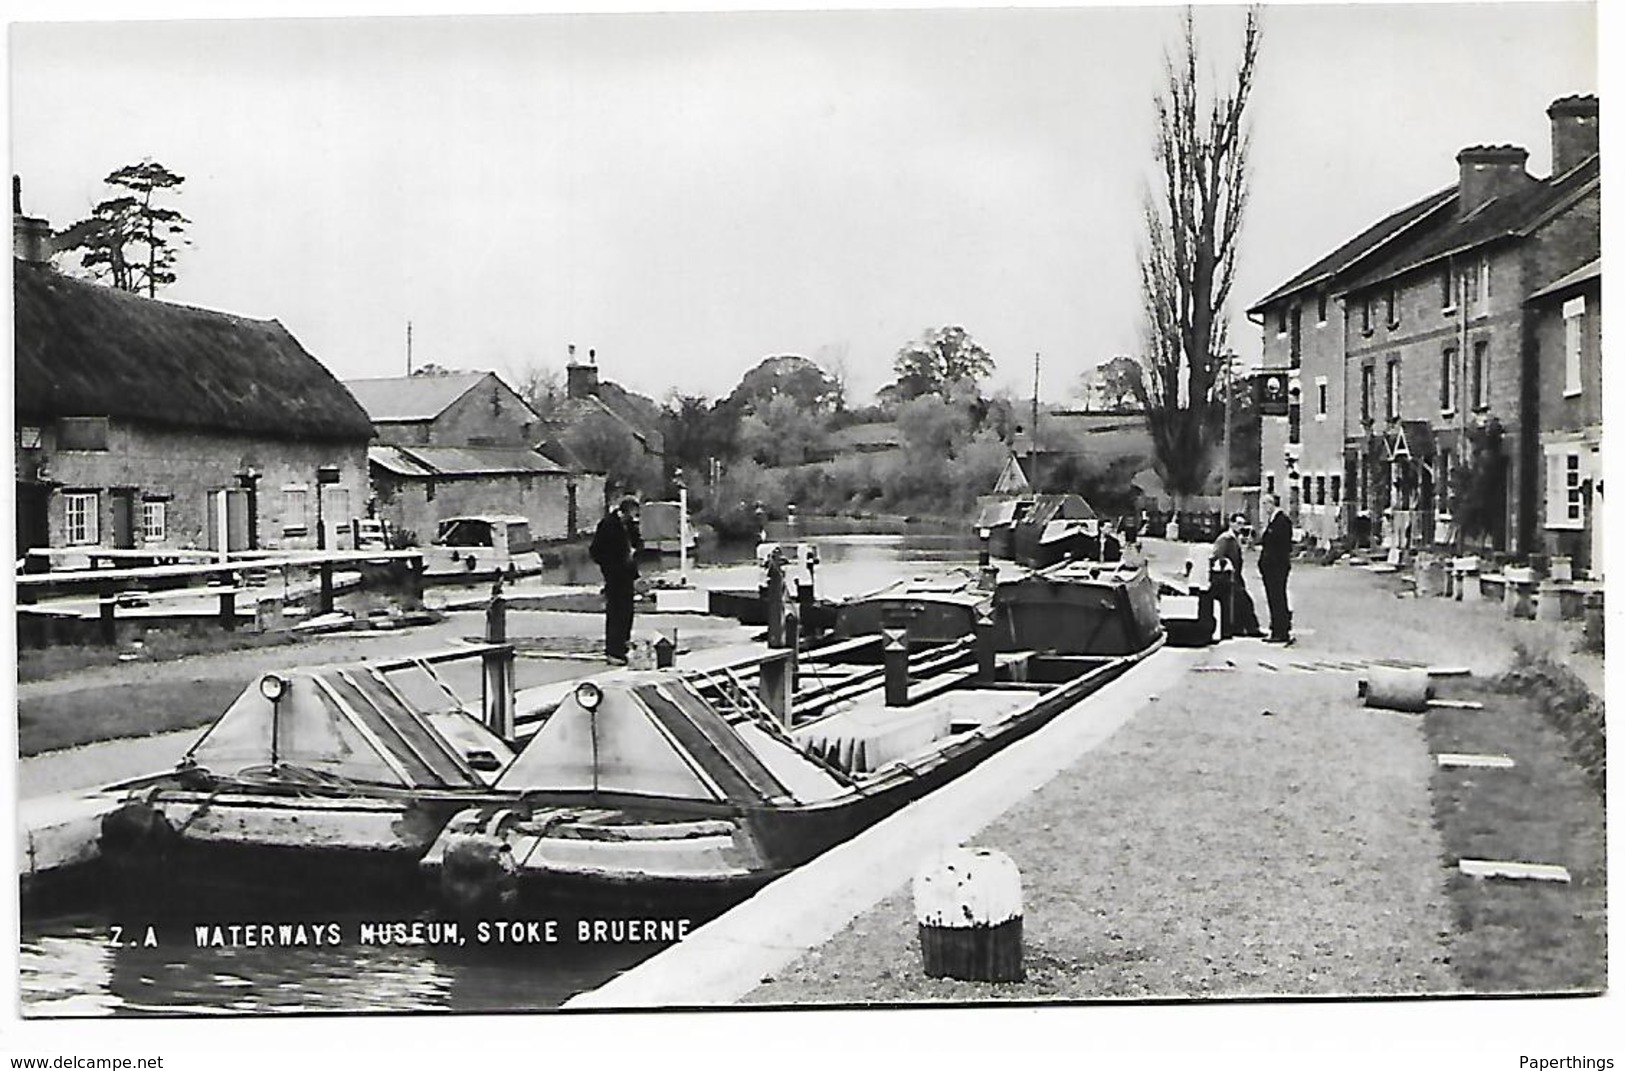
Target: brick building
<point x="1568" y="353"/>
<point x="1420" y="390"/>
<point x="144" y="424"/>
<point x="602" y="428"/>
<point x="458" y="445"/>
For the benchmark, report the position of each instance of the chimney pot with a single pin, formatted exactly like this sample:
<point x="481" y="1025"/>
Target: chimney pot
<point x="1488" y="172"/>
<point x="30" y="236"/>
<point x="1575" y="131"/>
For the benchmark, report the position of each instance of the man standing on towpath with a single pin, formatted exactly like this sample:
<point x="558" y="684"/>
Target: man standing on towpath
<point x="615" y="547"/>
<point x="1274" y="563"/>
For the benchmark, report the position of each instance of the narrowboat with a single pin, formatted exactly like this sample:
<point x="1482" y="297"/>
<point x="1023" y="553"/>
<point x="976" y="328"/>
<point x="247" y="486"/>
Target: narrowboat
<point x="669" y="790"/>
<point x="314" y="780"/>
<point x="481" y="546"/>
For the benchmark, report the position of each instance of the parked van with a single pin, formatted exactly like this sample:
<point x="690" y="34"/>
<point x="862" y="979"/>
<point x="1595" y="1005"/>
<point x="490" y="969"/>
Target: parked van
<point x="482" y="545"/>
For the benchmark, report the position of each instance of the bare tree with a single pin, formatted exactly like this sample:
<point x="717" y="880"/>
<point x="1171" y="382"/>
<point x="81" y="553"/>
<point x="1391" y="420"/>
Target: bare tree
<point x="1192" y="229"/>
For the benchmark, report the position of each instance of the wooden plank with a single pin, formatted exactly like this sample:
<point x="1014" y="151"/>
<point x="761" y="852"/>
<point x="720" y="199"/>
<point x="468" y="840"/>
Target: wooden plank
<point x="1456" y="704"/>
<point x="1492" y="868"/>
<point x="1449" y="760"/>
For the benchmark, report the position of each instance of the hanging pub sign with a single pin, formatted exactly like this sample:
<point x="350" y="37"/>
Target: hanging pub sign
<point x="1271" y="393"/>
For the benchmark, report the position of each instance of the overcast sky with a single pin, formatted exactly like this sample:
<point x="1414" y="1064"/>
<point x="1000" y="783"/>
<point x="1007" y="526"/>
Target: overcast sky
<point x="688" y="193"/>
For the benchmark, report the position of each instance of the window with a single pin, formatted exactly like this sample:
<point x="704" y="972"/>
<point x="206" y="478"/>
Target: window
<point x="1447" y="372"/>
<point x="1391" y="402"/>
<point x="1443" y="483"/>
<point x="1447" y="292"/>
<point x="1336" y="493"/>
<point x="1320" y="397"/>
<point x="82" y="433"/>
<point x="1483" y="281"/>
<point x="1320" y="308"/>
<point x="1280" y="321"/>
<point x="1294" y="418"/>
<point x="1565" y="487"/>
<point x="84" y="516"/>
<point x="154" y="522"/>
<point x="1365" y="315"/>
<point x="1269" y="483"/>
<point x="295" y="509"/>
<point x="1574" y="316"/>
<point x="1320" y="490"/>
<point x="1297" y="336"/>
<point x="1481" y="375"/>
<point x="1391" y="306"/>
<point x="1368" y="385"/>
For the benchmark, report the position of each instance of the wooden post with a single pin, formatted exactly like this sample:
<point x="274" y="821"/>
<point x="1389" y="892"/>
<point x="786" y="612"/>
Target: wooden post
<point x="773" y="688"/>
<point x="986" y="648"/>
<point x="967" y="905"/>
<point x="414" y="582"/>
<point x="108" y="613"/>
<point x="894" y="651"/>
<point x="228" y="610"/>
<point x="1594" y="619"/>
<point x="325" y="606"/>
<point x="773" y="600"/>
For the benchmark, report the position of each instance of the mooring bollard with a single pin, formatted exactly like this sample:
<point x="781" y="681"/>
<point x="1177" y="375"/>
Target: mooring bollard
<point x="894" y="652"/>
<point x="1594" y="620"/>
<point x="1519" y="599"/>
<point x="1549" y="601"/>
<point x="967" y="904"/>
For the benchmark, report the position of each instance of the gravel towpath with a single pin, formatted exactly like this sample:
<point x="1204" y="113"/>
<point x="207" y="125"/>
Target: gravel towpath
<point x="1255" y="832"/>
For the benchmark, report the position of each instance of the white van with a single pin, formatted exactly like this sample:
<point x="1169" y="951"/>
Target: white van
<point x="482" y="546"/>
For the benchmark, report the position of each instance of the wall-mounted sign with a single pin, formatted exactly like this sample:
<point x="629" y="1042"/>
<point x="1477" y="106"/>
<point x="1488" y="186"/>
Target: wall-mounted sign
<point x="1272" y="394"/>
<point x="28" y="438"/>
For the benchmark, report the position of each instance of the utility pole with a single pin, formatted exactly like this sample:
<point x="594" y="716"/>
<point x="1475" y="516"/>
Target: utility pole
<point x="1229" y="384"/>
<point x="409" y="347"/>
<point x="1032" y="442"/>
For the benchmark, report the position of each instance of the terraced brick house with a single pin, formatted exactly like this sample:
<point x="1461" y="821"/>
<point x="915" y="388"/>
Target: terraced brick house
<point x="1422" y="396"/>
<point x="1568" y="351"/>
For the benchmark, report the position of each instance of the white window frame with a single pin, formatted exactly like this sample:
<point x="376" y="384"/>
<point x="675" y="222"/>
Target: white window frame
<point x="1574" y="318"/>
<point x="1393" y="391"/>
<point x="1565" y="487"/>
<point x="1481" y="375"/>
<point x="154" y="521"/>
<point x="1322" y="391"/>
<point x="1451" y="380"/>
<point x="82" y="513"/>
<point x="291" y="524"/>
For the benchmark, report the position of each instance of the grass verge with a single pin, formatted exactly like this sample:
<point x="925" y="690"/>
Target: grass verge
<point x="1520" y="936"/>
<point x="157" y="645"/>
<point x="68" y="719"/>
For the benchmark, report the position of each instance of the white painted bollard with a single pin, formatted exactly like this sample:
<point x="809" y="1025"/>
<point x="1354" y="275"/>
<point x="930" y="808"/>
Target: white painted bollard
<point x="1467" y="587"/>
<point x="1563" y="570"/>
<point x="967" y="903"/>
<point x="1518" y="600"/>
<point x="1549" y="601"/>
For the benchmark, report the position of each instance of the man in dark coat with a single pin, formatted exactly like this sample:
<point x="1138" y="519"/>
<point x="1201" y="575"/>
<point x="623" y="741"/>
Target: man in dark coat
<point x="1228" y="583"/>
<point x="1274" y="563"/>
<point x="615" y="547"/>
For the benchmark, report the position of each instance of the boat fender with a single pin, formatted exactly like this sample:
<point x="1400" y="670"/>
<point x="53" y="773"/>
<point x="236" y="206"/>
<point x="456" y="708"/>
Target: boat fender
<point x="136" y="837"/>
<point x="478" y="874"/>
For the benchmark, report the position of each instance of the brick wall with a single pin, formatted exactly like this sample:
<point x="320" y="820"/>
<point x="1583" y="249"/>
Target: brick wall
<point x="490" y="414"/>
<point x="543" y="499"/>
<point x="183" y="468"/>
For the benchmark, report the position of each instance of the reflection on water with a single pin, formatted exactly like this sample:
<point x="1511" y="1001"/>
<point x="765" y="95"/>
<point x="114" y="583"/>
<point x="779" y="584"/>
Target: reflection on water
<point x="70" y="965"/>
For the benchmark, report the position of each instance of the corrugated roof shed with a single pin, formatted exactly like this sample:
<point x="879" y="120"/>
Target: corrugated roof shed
<point x="443" y="462"/>
<point x="88" y="350"/>
<point x="402" y="398"/>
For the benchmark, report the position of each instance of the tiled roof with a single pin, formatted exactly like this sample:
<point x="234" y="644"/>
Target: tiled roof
<point x="411" y="397"/>
<point x="1583" y="274"/>
<point x="1361" y="245"/>
<point x="1504" y="217"/>
<point x="452" y="461"/>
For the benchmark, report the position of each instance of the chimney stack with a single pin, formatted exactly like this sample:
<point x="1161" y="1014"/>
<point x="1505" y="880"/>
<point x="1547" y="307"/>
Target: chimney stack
<point x="1574" y="131"/>
<point x="1488" y="172"/>
<point x="581" y="380"/>
<point x="30" y="237"/>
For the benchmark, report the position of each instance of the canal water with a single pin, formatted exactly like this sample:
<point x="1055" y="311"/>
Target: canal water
<point x="105" y="962"/>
